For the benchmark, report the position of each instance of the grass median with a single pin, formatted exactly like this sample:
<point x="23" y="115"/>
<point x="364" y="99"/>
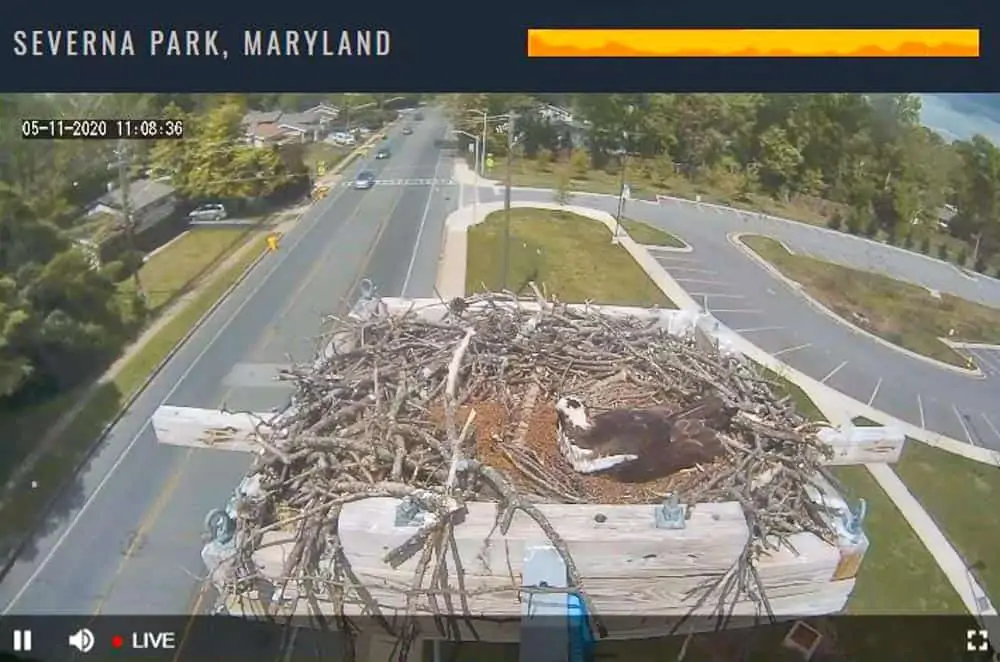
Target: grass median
<point x="567" y="255"/>
<point x="70" y="445"/>
<point x="647" y="235"/>
<point x="902" y="313"/>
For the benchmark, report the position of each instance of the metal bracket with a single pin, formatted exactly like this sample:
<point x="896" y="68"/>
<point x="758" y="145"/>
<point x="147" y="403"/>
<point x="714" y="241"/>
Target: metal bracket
<point x="220" y="526"/>
<point x="409" y="513"/>
<point x="853" y="520"/>
<point x="670" y="514"/>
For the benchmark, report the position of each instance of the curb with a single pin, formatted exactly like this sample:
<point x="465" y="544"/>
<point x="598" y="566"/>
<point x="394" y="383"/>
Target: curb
<point x="736" y="239"/>
<point x="11" y="558"/>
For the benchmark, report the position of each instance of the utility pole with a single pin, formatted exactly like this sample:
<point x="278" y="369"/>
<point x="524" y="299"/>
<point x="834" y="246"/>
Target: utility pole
<point x="506" y="198"/>
<point x="124" y="185"/>
<point x="621" y="193"/>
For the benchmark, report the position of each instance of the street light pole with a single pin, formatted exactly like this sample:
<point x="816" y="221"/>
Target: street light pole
<point x="621" y="196"/>
<point x="506" y="198"/>
<point x="124" y="185"/>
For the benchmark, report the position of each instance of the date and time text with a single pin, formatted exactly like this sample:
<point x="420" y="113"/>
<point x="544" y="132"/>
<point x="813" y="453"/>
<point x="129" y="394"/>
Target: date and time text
<point x="102" y="129"/>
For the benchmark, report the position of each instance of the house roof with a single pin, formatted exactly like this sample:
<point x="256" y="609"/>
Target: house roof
<point x="142" y="193"/>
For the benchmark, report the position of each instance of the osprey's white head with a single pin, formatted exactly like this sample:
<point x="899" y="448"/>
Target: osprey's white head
<point x="572" y="413"/>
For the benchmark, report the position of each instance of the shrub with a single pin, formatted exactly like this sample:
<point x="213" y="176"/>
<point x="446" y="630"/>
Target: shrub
<point x="579" y="162"/>
<point x="963" y="257"/>
<point x="835" y="222"/>
<point x="854" y="225"/>
<point x="925" y="245"/>
<point x="980" y="264"/>
<point x="544" y="158"/>
<point x="908" y="241"/>
<point x="942" y="251"/>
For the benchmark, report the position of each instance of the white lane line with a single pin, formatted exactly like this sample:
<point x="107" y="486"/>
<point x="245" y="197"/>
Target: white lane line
<point x="749" y="311"/>
<point x="961" y="421"/>
<point x="920" y="406"/>
<point x="691" y="270"/>
<point x="878" y="385"/>
<point x="716" y="295"/>
<point x="758" y="328"/>
<point x="991" y="426"/>
<point x="981" y="356"/>
<point x="833" y="372"/>
<point x="789" y="350"/>
<point x="703" y="282"/>
<point x="280" y="256"/>
<point x="420" y="231"/>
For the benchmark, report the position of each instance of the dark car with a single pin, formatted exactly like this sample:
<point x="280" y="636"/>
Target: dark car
<point x="365" y="180"/>
<point x="383" y="153"/>
<point x="407" y="131"/>
<point x="418" y="116"/>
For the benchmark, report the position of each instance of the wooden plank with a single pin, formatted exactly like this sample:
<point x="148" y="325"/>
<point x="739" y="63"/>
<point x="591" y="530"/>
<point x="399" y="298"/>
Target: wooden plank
<point x="544" y="616"/>
<point x="207" y="428"/>
<point x="863" y="445"/>
<point x="824" y="599"/>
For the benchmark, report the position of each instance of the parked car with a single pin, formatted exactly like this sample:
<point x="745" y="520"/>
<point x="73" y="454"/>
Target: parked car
<point x="364" y="181"/>
<point x="208" y="213"/>
<point x="407" y="131"/>
<point x="419" y="116"/>
<point x="383" y="153"/>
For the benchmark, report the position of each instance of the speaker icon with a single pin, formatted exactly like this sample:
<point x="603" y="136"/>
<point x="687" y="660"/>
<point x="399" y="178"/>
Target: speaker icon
<point x="82" y="640"/>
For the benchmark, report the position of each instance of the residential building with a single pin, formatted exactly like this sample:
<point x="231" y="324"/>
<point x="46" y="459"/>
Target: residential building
<point x="150" y="203"/>
<point x="279" y="128"/>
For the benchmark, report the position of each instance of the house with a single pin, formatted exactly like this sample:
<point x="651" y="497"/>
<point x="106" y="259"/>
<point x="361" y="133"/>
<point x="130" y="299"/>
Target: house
<point x="150" y="203"/>
<point x="279" y="128"/>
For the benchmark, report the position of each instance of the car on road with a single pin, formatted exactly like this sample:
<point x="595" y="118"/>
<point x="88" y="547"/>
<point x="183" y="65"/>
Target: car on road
<point x="365" y="180"/>
<point x="407" y="131"/>
<point x="213" y="212"/>
<point x="419" y="116"/>
<point x="383" y="153"/>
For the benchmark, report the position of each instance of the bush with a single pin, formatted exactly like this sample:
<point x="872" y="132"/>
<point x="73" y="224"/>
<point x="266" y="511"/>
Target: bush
<point x="908" y="241"/>
<point x="854" y="225"/>
<point x="869" y="229"/>
<point x="579" y="162"/>
<point x="835" y="222"/>
<point x="963" y="257"/>
<point x="925" y="245"/>
<point x="942" y="251"/>
<point x="980" y="264"/>
<point x="544" y="158"/>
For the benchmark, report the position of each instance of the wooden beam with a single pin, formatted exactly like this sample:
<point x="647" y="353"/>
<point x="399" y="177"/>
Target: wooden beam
<point x="863" y="445"/>
<point x="209" y="429"/>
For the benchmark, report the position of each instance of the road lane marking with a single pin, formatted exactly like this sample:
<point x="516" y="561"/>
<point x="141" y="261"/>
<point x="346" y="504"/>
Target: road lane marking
<point x="420" y="232"/>
<point x="961" y="421"/>
<point x="274" y="264"/>
<point x="990" y="424"/>
<point x="759" y="328"/>
<point x="789" y="350"/>
<point x="878" y="385"/>
<point x="833" y="372"/>
<point x="920" y="406"/>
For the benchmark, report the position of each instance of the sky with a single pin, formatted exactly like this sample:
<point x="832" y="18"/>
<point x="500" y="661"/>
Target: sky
<point x="960" y="116"/>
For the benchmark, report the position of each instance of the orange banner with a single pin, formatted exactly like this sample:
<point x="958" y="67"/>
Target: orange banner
<point x="813" y="42"/>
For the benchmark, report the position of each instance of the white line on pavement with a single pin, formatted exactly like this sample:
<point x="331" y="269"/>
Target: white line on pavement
<point x="878" y="384"/>
<point x="749" y="311"/>
<point x="759" y="328"/>
<point x="833" y="372"/>
<point x="691" y="269"/>
<point x="991" y="426"/>
<point x="420" y="232"/>
<point x="789" y="350"/>
<point x="716" y="295"/>
<point x="961" y="421"/>
<point x="696" y="280"/>
<point x="920" y="406"/>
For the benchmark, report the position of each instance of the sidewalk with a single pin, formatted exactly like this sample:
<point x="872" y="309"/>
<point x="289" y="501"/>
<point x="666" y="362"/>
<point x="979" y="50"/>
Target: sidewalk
<point x="837" y="407"/>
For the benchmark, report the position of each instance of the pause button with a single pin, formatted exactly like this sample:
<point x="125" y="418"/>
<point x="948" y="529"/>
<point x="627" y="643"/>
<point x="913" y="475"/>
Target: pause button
<point x="22" y="640"/>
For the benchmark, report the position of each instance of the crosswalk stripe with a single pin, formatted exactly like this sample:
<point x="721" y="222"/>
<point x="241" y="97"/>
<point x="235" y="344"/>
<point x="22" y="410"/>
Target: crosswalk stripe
<point x="409" y="182"/>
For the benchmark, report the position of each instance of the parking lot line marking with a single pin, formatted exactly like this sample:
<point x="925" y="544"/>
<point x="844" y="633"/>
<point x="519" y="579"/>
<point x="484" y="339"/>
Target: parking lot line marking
<point x="696" y="280"/>
<point x="878" y="384"/>
<point x="759" y="328"/>
<point x="737" y="310"/>
<point x="920" y="406"/>
<point x="961" y="421"/>
<point x="692" y="270"/>
<point x="833" y="372"/>
<point x="716" y="295"/>
<point x="789" y="350"/>
<point x="991" y="426"/>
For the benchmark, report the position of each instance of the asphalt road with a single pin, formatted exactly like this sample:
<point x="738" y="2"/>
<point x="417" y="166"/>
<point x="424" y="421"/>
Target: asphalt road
<point x="128" y="537"/>
<point x="748" y="299"/>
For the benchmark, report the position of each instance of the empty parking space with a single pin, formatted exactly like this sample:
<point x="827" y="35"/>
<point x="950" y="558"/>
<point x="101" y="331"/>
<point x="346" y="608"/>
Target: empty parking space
<point x="853" y="380"/>
<point x="988" y="361"/>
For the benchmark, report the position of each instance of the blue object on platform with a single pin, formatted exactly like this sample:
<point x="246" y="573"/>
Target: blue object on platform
<point x="670" y="515"/>
<point x="581" y="637"/>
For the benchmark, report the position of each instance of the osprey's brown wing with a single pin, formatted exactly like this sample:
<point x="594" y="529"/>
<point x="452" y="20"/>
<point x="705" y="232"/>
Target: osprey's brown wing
<point x="693" y="435"/>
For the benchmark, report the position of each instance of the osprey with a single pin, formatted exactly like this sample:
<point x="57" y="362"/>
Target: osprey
<point x="637" y="445"/>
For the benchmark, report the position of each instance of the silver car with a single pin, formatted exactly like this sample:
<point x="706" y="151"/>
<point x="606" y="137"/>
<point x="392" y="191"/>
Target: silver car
<point x="364" y="181"/>
<point x="208" y="213"/>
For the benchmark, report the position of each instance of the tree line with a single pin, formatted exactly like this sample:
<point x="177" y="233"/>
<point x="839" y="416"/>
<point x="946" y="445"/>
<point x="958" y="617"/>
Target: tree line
<point x="61" y="320"/>
<point x="889" y="175"/>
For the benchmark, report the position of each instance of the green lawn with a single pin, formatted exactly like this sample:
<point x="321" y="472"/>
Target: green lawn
<point x="172" y="271"/>
<point x="898" y="575"/>
<point x="902" y="313"/>
<point x="567" y="255"/>
<point x="320" y="152"/>
<point x="646" y="234"/>
<point x="71" y="444"/>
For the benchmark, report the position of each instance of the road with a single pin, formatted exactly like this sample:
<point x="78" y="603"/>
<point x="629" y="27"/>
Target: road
<point x="748" y="299"/>
<point x="127" y="539"/>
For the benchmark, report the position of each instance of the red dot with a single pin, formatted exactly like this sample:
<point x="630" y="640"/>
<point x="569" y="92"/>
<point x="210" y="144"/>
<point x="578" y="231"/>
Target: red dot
<point x="117" y="641"/>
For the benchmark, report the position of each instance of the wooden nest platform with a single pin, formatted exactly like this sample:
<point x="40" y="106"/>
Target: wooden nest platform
<point x="416" y="472"/>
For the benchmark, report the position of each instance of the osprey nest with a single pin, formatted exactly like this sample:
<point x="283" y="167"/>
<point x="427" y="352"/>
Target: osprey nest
<point x="463" y="409"/>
